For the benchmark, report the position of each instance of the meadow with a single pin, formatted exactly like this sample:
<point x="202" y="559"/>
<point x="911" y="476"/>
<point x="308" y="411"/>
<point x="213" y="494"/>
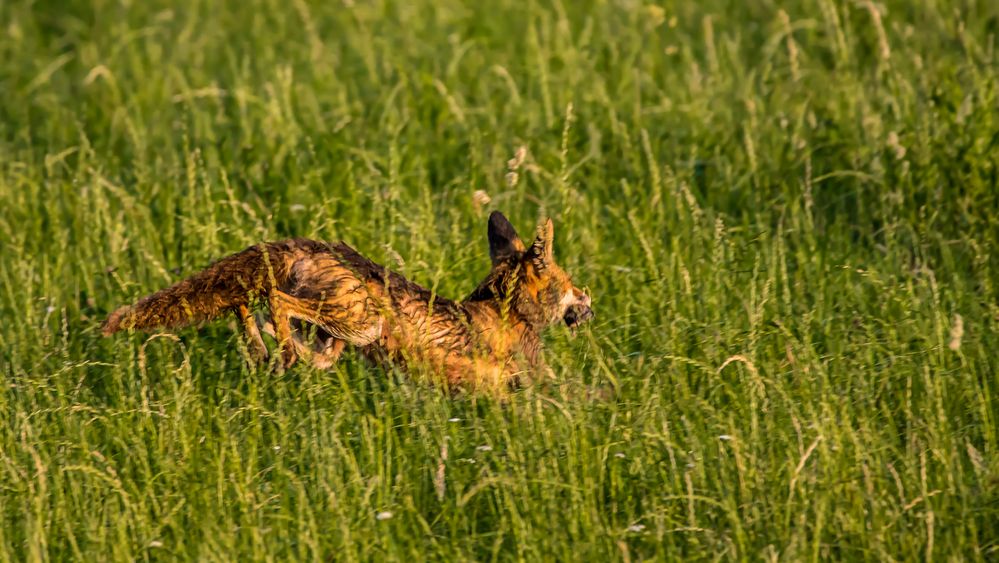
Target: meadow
<point x="787" y="216"/>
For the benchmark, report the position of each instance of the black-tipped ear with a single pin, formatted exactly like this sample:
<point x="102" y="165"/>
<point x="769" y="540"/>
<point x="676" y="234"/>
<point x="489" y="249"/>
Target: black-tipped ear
<point x="503" y="239"/>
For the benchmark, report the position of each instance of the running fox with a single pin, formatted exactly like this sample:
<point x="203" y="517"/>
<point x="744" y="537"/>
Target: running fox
<point x="489" y="340"/>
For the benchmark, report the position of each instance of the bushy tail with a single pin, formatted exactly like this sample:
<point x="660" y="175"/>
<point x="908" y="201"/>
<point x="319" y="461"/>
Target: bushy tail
<point x="228" y="283"/>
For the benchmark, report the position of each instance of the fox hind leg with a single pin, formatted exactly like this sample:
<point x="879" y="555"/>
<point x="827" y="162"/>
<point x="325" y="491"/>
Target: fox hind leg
<point x="340" y="306"/>
<point x="327" y="356"/>
<point x="324" y="350"/>
<point x="280" y="304"/>
<point x="254" y="343"/>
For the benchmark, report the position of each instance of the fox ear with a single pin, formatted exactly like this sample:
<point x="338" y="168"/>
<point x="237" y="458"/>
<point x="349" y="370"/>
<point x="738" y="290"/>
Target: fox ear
<point x="503" y="239"/>
<point x="541" y="250"/>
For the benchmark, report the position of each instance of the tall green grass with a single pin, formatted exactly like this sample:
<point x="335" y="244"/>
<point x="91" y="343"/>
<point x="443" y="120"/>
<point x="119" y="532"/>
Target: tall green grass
<point x="788" y="219"/>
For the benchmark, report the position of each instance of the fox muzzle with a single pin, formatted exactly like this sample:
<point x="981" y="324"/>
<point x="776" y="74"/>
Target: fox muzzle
<point x="577" y="314"/>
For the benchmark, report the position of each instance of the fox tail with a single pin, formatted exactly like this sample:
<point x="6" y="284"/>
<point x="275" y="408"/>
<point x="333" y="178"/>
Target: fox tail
<point x="226" y="284"/>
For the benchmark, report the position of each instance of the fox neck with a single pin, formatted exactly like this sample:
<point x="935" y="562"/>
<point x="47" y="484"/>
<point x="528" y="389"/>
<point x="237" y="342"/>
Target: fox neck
<point x="502" y="329"/>
<point x="503" y="291"/>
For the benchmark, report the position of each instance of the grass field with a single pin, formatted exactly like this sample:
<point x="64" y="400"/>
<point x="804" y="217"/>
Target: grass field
<point x="788" y="220"/>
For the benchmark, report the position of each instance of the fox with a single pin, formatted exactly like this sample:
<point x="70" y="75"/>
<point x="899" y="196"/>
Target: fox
<point x="318" y="297"/>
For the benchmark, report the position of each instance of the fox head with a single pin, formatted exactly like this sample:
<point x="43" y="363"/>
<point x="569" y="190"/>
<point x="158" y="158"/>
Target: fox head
<point x="528" y="279"/>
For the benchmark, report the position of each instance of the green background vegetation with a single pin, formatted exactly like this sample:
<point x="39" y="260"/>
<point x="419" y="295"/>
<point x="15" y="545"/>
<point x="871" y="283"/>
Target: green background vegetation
<point x="787" y="219"/>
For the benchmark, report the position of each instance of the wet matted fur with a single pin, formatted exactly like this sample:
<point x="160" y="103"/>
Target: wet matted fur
<point x="488" y="341"/>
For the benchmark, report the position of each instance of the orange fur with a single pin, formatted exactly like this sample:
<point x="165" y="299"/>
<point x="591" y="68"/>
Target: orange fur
<point x="487" y="341"/>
